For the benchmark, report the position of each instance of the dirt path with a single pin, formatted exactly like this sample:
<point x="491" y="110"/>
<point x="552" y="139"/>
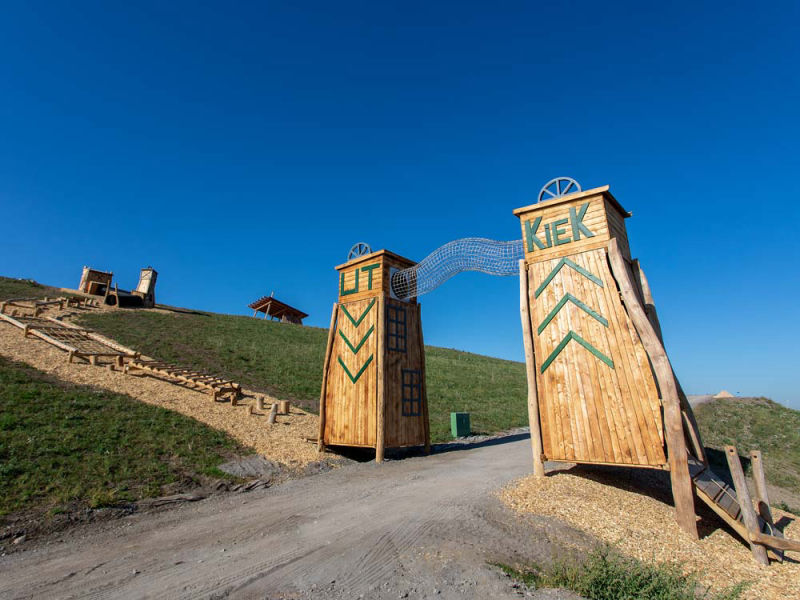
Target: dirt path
<point x="423" y="527"/>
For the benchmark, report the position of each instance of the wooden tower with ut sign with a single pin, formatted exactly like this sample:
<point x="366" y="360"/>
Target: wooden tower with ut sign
<point x="373" y="384"/>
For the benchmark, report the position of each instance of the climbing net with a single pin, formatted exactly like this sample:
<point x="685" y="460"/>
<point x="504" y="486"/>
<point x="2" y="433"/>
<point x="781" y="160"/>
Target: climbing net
<point x="467" y="254"/>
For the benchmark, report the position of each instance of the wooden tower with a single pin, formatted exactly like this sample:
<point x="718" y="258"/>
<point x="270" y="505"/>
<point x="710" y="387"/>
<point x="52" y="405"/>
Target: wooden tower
<point x="601" y="388"/>
<point x="373" y="385"/>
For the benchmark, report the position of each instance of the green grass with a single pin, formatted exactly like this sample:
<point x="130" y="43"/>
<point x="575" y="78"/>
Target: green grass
<point x="63" y="445"/>
<point x="286" y="361"/>
<point x="25" y="288"/>
<point x="606" y="575"/>
<point x="754" y="424"/>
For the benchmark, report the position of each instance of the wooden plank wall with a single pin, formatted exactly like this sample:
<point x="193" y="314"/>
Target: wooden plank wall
<point x="351" y="410"/>
<point x="597" y="405"/>
<point x="404" y="430"/>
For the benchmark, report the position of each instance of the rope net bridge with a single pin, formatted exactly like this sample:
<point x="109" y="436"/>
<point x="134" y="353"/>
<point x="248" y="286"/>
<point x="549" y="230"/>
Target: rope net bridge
<point x="466" y="254"/>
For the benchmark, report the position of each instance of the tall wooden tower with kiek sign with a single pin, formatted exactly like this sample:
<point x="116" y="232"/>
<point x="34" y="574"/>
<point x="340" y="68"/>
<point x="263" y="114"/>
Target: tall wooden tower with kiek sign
<point x="590" y="342"/>
<point x="373" y="389"/>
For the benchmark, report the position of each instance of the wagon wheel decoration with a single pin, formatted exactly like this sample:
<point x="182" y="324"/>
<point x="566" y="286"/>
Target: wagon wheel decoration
<point x="560" y="186"/>
<point x="358" y="249"/>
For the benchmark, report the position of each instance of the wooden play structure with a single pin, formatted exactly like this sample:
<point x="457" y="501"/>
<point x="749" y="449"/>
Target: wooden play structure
<point x="373" y="390"/>
<point x="94" y="282"/>
<point x="77" y="342"/>
<point x="143" y="296"/>
<point x="99" y="283"/>
<point x="87" y="345"/>
<point x="219" y="387"/>
<point x="38" y="305"/>
<point x="275" y="309"/>
<point x="601" y="389"/>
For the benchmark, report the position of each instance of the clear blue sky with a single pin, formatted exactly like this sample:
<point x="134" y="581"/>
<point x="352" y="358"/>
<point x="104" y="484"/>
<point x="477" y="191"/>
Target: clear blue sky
<point x="242" y="148"/>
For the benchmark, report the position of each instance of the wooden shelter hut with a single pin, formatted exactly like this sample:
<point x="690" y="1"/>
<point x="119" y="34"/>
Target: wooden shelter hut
<point x="95" y="282"/>
<point x="275" y="309"/>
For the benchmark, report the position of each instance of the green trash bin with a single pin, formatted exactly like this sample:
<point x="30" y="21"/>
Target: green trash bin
<point x="459" y="424"/>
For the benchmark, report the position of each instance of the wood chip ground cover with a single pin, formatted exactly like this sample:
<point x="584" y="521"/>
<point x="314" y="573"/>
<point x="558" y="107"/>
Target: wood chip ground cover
<point x="629" y="510"/>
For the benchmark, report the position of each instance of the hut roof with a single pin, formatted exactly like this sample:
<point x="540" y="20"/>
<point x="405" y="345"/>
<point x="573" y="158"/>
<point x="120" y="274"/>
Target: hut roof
<point x="275" y="308"/>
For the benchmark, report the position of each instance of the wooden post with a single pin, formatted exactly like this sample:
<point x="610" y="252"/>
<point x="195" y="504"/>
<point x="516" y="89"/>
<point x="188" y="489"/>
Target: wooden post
<point x="380" y="420"/>
<point x="682" y="491"/>
<point x="93" y="359"/>
<point x="273" y="413"/>
<point x="424" y="387"/>
<point x="692" y="428"/>
<point x="530" y="372"/>
<point x="762" y="496"/>
<point x="260" y="402"/>
<point x="745" y="503"/>
<point x="328" y="351"/>
<point x="283" y="407"/>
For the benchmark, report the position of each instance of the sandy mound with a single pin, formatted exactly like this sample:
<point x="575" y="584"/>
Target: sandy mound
<point x="282" y="442"/>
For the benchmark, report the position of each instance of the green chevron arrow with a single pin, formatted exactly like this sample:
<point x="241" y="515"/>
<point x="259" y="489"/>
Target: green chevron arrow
<point x="557" y="268"/>
<point x="357" y="322"/>
<point x="357" y="376"/>
<point x="570" y="298"/>
<point x="357" y="347"/>
<point x="574" y="336"/>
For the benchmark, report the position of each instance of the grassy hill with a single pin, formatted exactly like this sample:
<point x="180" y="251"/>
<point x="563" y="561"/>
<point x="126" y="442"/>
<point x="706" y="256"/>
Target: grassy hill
<point x="286" y="361"/>
<point x="64" y="446"/>
<point x="25" y="288"/>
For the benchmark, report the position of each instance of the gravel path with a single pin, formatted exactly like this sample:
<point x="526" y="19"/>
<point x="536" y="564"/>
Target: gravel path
<point x="421" y="527"/>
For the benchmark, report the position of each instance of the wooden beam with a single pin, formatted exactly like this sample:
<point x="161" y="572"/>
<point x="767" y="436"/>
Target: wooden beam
<point x="328" y="352"/>
<point x="380" y="421"/>
<point x="690" y="424"/>
<point x="775" y="542"/>
<point x="682" y="490"/>
<point x="762" y="496"/>
<point x="745" y="504"/>
<point x="530" y="372"/>
<point x="425" y="414"/>
<point x="273" y="413"/>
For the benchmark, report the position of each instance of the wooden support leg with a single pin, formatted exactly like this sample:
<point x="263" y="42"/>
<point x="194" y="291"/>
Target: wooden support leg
<point x="762" y="497"/>
<point x="273" y="413"/>
<point x="745" y="503"/>
<point x="70" y="356"/>
<point x="380" y="441"/>
<point x="426" y="421"/>
<point x="93" y="360"/>
<point x="682" y="490"/>
<point x="329" y="349"/>
<point x="530" y="371"/>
